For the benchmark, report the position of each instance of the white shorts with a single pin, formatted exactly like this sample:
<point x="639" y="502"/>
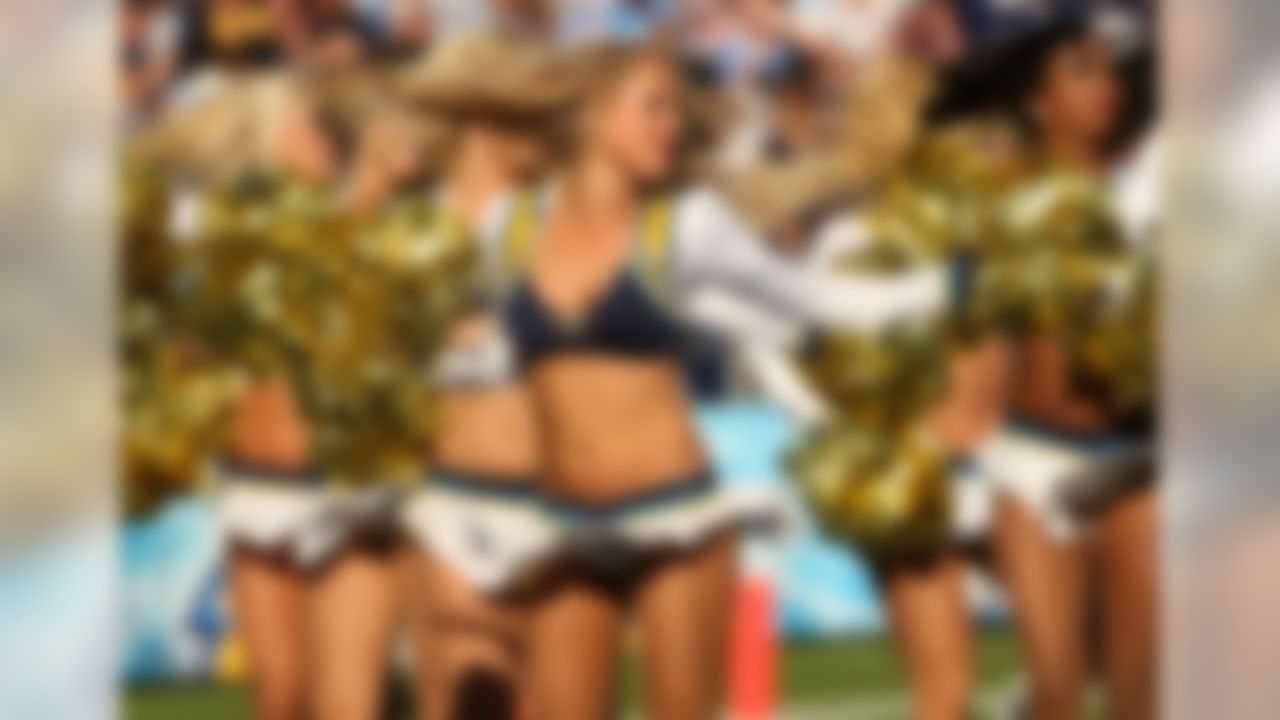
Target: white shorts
<point x="299" y="516"/>
<point x="611" y="540"/>
<point x="488" y="532"/>
<point x="497" y="538"/>
<point x="1034" y="465"/>
<point x="972" y="502"/>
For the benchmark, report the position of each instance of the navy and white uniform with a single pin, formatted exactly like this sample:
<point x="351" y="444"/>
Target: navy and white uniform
<point x="698" y="252"/>
<point x="486" y="528"/>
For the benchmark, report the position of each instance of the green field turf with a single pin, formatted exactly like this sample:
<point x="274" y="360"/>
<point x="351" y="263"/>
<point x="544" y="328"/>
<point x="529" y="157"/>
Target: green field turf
<point x="831" y="678"/>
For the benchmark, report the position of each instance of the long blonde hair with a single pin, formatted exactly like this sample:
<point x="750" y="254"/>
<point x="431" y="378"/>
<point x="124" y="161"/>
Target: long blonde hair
<point x="599" y="66"/>
<point x="224" y="135"/>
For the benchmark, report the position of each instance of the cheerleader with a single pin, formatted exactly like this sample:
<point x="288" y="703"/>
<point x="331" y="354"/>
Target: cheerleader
<point x="922" y="577"/>
<point x="496" y="93"/>
<point x="612" y="253"/>
<point x="1057" y="551"/>
<point x="929" y="409"/>
<point x="312" y="577"/>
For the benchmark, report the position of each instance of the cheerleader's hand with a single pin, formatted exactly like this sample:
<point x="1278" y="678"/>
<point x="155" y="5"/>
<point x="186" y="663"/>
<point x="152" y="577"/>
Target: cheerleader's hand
<point x="268" y="428"/>
<point x="387" y="156"/>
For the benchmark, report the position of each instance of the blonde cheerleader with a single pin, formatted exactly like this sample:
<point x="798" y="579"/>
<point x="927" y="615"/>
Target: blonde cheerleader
<point x="304" y="492"/>
<point x="634" y="524"/>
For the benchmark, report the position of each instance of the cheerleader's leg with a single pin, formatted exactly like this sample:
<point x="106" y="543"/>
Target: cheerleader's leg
<point x="1128" y="553"/>
<point x="353" y="614"/>
<point x="575" y="635"/>
<point x="682" y="603"/>
<point x="930" y="620"/>
<point x="467" y="644"/>
<point x="1044" y="579"/>
<point x="270" y="598"/>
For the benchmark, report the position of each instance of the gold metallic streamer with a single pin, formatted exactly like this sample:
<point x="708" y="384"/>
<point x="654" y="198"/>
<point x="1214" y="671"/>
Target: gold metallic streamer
<point x="282" y="282"/>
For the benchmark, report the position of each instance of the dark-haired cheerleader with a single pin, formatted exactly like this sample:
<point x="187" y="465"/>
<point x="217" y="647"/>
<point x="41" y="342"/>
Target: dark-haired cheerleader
<point x="1075" y="521"/>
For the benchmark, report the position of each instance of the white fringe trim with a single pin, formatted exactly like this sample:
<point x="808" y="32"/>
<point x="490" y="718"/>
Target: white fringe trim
<point x="306" y="523"/>
<point x="490" y="540"/>
<point x="496" y="541"/>
<point x="1033" y="471"/>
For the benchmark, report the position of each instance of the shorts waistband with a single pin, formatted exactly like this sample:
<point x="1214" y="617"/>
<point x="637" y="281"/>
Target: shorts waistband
<point x="512" y="487"/>
<point x="1093" y="442"/>
<point x="962" y="464"/>
<point x="690" y="488"/>
<point x="243" y="471"/>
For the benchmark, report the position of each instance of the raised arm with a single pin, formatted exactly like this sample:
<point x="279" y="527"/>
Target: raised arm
<point x="715" y="249"/>
<point x="765" y="342"/>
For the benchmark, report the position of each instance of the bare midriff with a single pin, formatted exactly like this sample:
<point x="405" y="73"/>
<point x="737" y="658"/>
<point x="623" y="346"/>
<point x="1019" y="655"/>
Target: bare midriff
<point x="975" y="401"/>
<point x="268" y="431"/>
<point x="1043" y="390"/>
<point x="614" y="428"/>
<point x="489" y="432"/>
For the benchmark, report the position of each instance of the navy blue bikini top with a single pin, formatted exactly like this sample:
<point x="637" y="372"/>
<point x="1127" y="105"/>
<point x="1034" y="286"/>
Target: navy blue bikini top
<point x="631" y="318"/>
<point x="627" y="320"/>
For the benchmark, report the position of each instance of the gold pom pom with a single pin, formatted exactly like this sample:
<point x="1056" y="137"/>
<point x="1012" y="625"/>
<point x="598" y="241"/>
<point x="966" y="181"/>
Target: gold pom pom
<point x="1048" y="231"/>
<point x="280" y="281"/>
<point x="175" y="410"/>
<point x="880" y="379"/>
<point x="888" y="492"/>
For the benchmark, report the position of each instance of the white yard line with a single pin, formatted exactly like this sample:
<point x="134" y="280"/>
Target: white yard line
<point x="991" y="703"/>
